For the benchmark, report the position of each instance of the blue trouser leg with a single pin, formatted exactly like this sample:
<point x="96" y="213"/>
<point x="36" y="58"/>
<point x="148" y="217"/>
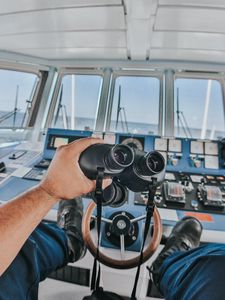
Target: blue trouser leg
<point x="198" y="274"/>
<point x="44" y="251"/>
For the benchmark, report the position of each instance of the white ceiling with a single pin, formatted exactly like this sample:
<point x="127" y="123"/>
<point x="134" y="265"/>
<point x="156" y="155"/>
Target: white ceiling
<point x="190" y="30"/>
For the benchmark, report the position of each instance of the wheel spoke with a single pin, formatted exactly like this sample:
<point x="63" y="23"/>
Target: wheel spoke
<point x="138" y="219"/>
<point x="122" y="247"/>
<point x="103" y="219"/>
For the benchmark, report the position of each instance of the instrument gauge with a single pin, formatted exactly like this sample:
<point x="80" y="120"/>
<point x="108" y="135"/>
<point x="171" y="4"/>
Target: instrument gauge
<point x="133" y="143"/>
<point x="160" y="144"/>
<point x="175" y="145"/>
<point x="211" y="148"/>
<point x="197" y="147"/>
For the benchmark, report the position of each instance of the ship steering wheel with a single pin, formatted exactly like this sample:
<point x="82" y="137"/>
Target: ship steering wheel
<point x="123" y="263"/>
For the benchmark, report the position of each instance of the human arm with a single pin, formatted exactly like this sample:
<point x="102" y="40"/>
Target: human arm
<point x="20" y="216"/>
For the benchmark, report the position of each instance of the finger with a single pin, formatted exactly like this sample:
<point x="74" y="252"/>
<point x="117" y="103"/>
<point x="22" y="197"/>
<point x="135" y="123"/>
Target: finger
<point x="106" y="182"/>
<point x="79" y="146"/>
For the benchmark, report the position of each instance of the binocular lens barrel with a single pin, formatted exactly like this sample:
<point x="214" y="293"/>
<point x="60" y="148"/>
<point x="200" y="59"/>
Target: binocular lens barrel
<point x="120" y="156"/>
<point x="114" y="195"/>
<point x="152" y="163"/>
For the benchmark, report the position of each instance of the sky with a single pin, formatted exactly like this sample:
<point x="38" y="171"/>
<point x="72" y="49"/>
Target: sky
<point x="139" y="97"/>
<point x="8" y="86"/>
<point x="134" y="91"/>
<point x="192" y="95"/>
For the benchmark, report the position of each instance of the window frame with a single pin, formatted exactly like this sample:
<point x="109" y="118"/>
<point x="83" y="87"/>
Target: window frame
<point x="23" y="68"/>
<point x="200" y="75"/>
<point x="136" y="73"/>
<point x="61" y="74"/>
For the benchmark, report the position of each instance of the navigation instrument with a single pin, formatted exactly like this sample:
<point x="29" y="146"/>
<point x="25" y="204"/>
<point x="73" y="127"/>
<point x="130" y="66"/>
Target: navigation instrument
<point x="211" y="162"/>
<point x="133" y="143"/>
<point x="160" y="144"/>
<point x="211" y="148"/>
<point x="175" y="145"/>
<point x="197" y="147"/>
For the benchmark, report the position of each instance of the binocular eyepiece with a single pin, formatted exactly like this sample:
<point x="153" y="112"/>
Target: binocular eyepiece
<point x="113" y="158"/>
<point x="150" y="164"/>
<point x="129" y="168"/>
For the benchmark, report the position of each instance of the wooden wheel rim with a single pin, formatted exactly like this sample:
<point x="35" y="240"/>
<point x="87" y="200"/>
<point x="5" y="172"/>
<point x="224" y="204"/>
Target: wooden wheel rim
<point x="114" y="263"/>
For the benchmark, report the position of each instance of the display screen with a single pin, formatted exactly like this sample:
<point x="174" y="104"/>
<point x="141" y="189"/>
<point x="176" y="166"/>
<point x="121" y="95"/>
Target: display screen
<point x="58" y="140"/>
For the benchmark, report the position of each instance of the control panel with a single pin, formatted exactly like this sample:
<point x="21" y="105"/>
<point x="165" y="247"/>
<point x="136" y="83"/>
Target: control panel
<point x="21" y="167"/>
<point x="195" y="171"/>
<point x="14" y="159"/>
<point x="190" y="192"/>
<point x="54" y="139"/>
<point x="194" y="181"/>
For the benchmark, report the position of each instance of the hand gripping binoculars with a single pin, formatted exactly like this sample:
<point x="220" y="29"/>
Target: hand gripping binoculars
<point x="129" y="168"/>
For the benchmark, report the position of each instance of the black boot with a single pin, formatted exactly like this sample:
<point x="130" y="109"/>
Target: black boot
<point x="69" y="218"/>
<point x="184" y="236"/>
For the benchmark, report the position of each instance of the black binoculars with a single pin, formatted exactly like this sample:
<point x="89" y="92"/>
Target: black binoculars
<point x="130" y="168"/>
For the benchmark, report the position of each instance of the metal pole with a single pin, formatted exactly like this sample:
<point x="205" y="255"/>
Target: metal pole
<point x="59" y="105"/>
<point x="205" y="117"/>
<point x="169" y="103"/>
<point x="118" y="107"/>
<point x="73" y="102"/>
<point x="178" y="113"/>
<point x="212" y="132"/>
<point x="15" y="107"/>
<point x="103" y="101"/>
<point x="64" y="117"/>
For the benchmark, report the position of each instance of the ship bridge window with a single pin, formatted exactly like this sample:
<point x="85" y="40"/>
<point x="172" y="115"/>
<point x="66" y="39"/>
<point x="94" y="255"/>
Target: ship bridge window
<point x="198" y="108"/>
<point x="77" y="102"/>
<point x="136" y="105"/>
<point x="16" y="95"/>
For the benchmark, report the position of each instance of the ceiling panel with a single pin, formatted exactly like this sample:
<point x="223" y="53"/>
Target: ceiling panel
<point x="188" y="55"/>
<point x="188" y="40"/>
<point x="98" y="29"/>
<point x="95" y="18"/>
<point x="206" y="3"/>
<point x="101" y="39"/>
<point x="16" y="6"/>
<point x="141" y="11"/>
<point x="190" y="19"/>
<point x="75" y="53"/>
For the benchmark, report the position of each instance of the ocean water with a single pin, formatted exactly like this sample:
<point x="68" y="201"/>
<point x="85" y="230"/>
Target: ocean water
<point x="88" y="124"/>
<point x="7" y="119"/>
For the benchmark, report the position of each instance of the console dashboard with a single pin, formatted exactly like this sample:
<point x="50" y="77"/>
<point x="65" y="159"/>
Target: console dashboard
<point x="194" y="180"/>
<point x="195" y="171"/>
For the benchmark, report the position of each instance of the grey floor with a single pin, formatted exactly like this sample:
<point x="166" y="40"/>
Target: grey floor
<point x="56" y="290"/>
